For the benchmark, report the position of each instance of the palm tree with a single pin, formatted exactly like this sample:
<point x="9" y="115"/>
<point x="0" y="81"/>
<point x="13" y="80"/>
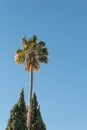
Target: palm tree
<point x="33" y="53"/>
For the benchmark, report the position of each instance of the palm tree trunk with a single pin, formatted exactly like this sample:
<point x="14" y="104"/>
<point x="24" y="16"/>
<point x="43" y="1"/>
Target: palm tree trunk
<point x="30" y="99"/>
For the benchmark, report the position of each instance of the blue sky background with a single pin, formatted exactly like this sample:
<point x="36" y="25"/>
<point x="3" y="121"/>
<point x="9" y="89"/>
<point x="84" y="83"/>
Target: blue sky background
<point x="61" y="85"/>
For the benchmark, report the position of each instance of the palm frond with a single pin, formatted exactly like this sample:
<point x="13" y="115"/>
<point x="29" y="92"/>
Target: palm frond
<point x="41" y="44"/>
<point x="19" y="56"/>
<point x="24" y="43"/>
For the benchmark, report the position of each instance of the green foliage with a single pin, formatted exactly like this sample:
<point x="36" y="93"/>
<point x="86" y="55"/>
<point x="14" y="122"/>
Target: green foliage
<point x="36" y="119"/>
<point x="33" y="53"/>
<point x="17" y="120"/>
<point x="18" y="115"/>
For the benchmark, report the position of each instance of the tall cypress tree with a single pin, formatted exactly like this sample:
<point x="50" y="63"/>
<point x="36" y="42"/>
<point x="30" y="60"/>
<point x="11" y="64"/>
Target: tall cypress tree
<point x="17" y="120"/>
<point x="36" y="119"/>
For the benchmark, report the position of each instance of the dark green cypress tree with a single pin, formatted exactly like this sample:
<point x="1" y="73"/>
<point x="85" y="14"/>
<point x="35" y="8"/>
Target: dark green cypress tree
<point x="17" y="120"/>
<point x="22" y="111"/>
<point x="36" y="119"/>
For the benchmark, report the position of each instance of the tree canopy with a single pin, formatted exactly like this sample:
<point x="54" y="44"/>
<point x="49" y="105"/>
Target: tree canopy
<point x="36" y="118"/>
<point x="17" y="120"/>
<point x="18" y="115"/>
<point x="33" y="53"/>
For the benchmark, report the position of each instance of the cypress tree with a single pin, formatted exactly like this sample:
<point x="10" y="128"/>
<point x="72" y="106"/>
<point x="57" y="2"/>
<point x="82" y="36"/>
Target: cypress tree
<point x="36" y="119"/>
<point x="17" y="120"/>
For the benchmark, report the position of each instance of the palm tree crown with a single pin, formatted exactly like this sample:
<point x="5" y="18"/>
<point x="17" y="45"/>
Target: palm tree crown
<point x="33" y="53"/>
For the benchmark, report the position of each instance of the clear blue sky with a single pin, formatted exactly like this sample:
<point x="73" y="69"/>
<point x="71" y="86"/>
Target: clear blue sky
<point x="61" y="85"/>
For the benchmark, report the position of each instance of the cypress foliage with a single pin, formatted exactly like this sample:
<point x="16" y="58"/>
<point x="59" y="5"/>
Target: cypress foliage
<point x="36" y="119"/>
<point x="18" y="115"/>
<point x="17" y="120"/>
